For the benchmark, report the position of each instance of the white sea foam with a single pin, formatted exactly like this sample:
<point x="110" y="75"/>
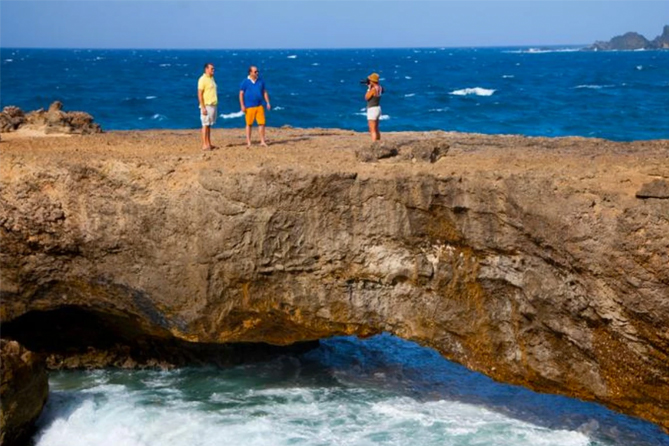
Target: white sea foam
<point x="407" y="77"/>
<point x="438" y="109"/>
<point x="292" y="56"/>
<point x="151" y="97"/>
<point x="594" y="87"/>
<point x="409" y="95"/>
<point x="159" y="117"/>
<point x="384" y="117"/>
<point x="238" y="114"/>
<point x="543" y="50"/>
<point x="478" y="91"/>
<point x="315" y="64"/>
<point x="639" y="67"/>
<point x="9" y="60"/>
<point x="278" y="108"/>
<point x="165" y="64"/>
<point x="508" y="76"/>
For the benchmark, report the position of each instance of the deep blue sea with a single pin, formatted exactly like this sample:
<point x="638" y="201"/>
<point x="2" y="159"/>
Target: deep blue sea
<point x="381" y="391"/>
<point x="550" y="92"/>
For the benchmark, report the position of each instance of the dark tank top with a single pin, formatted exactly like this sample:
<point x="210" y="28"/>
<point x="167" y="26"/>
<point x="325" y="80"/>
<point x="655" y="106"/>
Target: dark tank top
<point x="375" y="100"/>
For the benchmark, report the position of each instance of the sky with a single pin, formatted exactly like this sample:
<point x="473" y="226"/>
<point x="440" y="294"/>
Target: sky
<point x="201" y="24"/>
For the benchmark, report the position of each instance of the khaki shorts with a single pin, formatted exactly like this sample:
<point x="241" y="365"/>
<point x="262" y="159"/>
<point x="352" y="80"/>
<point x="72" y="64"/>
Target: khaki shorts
<point x="255" y="114"/>
<point x="210" y="118"/>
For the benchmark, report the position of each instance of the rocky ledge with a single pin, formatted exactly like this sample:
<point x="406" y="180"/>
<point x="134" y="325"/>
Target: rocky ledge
<point x="540" y="262"/>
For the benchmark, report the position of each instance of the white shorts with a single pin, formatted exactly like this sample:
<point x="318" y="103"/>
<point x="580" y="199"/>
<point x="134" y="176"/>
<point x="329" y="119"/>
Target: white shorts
<point x="210" y="118"/>
<point x="373" y="113"/>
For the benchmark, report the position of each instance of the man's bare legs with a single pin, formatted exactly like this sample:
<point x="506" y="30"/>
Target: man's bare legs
<point x="261" y="131"/>
<point x="206" y="137"/>
<point x="248" y="136"/>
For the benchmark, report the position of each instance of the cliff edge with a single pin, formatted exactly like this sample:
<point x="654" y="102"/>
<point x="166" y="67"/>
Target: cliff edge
<point x="540" y="262"/>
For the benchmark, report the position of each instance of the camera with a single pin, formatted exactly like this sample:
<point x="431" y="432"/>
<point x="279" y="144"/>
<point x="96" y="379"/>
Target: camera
<point x="365" y="81"/>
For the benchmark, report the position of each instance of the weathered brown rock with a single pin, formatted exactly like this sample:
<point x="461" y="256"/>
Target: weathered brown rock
<point x="23" y="392"/>
<point x="654" y="189"/>
<point x="11" y="118"/>
<point x="528" y="259"/>
<point x="52" y="121"/>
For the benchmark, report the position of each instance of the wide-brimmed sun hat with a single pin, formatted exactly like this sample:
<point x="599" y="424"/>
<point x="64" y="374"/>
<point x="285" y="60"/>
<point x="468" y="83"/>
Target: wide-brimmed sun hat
<point x="373" y="77"/>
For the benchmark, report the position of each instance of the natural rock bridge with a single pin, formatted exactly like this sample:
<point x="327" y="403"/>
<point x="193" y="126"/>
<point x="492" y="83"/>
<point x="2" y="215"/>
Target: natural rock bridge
<point x="531" y="260"/>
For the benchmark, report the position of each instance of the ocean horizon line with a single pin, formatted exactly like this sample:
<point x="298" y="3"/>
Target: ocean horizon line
<point x="439" y="47"/>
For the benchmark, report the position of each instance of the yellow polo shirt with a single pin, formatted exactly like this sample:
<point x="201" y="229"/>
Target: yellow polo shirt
<point x="208" y="85"/>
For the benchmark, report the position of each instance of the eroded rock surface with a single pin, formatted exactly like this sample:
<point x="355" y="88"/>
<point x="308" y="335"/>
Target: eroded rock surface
<point x="51" y="121"/>
<point x="23" y="392"/>
<point x="528" y="259"/>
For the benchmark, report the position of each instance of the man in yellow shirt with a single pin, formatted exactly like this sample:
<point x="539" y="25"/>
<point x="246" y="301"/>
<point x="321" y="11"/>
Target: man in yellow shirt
<point x="206" y="95"/>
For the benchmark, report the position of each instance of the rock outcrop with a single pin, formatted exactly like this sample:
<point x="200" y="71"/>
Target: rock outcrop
<point x="633" y="41"/>
<point x="52" y="121"/>
<point x="662" y="41"/>
<point x="23" y="392"/>
<point x="531" y="260"/>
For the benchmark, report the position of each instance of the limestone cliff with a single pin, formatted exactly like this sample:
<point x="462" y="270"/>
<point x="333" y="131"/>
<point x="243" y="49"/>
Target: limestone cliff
<point x="531" y="260"/>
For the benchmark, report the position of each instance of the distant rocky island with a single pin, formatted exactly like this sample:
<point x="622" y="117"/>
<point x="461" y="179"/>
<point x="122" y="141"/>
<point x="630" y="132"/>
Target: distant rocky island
<point x="633" y="41"/>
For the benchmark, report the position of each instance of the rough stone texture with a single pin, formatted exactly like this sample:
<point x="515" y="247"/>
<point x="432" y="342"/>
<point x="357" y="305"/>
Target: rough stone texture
<point x="528" y="259"/>
<point x="52" y="121"/>
<point x="426" y="149"/>
<point x="654" y="189"/>
<point x="23" y="392"/>
<point x="11" y="119"/>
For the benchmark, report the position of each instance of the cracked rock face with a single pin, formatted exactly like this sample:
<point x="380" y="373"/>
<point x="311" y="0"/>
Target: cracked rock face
<point x="528" y="259"/>
<point x="23" y="392"/>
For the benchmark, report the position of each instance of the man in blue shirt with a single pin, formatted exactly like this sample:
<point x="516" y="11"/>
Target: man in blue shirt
<point x="251" y="95"/>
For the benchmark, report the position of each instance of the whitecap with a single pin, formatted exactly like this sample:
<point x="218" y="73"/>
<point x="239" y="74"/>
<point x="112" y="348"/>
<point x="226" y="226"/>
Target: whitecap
<point x="384" y="117"/>
<point x="639" y="67"/>
<point x="9" y="60"/>
<point x="438" y="109"/>
<point x="315" y="64"/>
<point x="159" y="117"/>
<point x="409" y="95"/>
<point x="165" y="64"/>
<point x="478" y="91"/>
<point x="593" y="86"/>
<point x="278" y="108"/>
<point x="407" y="77"/>
<point x="238" y="114"/>
<point x="292" y="56"/>
<point x="508" y="76"/>
<point x="151" y="97"/>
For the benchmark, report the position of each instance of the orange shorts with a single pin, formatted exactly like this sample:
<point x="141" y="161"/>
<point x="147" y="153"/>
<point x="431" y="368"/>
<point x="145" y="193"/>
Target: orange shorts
<point x="255" y="114"/>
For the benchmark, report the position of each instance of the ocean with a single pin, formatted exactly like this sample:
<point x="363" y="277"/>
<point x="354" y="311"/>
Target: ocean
<point x="379" y="391"/>
<point x="561" y="91"/>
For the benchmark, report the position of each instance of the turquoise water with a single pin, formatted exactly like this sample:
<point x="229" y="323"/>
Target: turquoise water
<point x="382" y="391"/>
<point x="549" y="92"/>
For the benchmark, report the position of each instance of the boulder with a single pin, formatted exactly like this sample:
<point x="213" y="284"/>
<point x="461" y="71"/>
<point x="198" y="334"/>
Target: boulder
<point x="654" y="189"/>
<point x="23" y="392"/>
<point x="53" y="120"/>
<point x="11" y="119"/>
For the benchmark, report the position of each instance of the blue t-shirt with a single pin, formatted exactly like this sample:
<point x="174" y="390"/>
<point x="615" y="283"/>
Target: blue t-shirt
<point x="253" y="93"/>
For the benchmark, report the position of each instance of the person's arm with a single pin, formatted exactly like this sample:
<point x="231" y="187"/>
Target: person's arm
<point x="200" y="98"/>
<point x="370" y="93"/>
<point x="241" y="100"/>
<point x="267" y="99"/>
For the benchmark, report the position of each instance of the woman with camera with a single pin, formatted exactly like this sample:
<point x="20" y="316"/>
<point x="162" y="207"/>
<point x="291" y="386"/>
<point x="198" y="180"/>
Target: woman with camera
<point x="373" y="98"/>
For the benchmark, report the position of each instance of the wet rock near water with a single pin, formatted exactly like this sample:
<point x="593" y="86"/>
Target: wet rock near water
<point x="51" y="121"/>
<point x="23" y="392"/>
